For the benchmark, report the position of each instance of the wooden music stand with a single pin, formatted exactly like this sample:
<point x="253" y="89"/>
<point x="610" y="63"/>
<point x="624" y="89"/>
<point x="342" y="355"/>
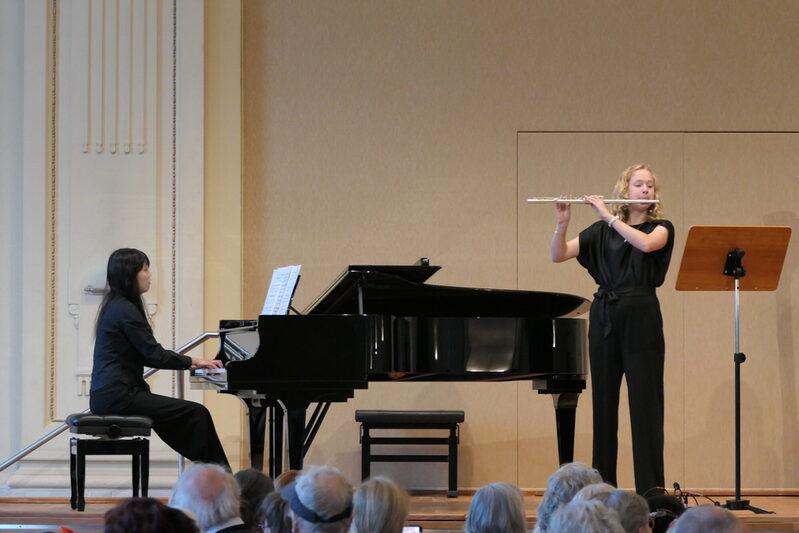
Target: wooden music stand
<point x="712" y="262"/>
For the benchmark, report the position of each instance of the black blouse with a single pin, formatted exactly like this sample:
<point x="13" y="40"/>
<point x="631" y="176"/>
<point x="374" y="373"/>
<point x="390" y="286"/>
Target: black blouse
<point x="123" y="347"/>
<point x="616" y="264"/>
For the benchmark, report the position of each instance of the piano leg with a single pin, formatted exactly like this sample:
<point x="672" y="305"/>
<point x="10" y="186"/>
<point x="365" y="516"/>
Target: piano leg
<point x="257" y="425"/>
<point x="296" y="434"/>
<point x="565" y="415"/>
<point x="299" y="435"/>
<point x="275" y="439"/>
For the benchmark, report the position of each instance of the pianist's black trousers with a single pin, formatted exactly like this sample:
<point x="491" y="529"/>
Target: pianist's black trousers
<point x="187" y="427"/>
<point x="633" y="348"/>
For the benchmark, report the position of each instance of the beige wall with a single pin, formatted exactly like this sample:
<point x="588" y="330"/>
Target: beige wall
<point x="379" y="132"/>
<point x="223" y="286"/>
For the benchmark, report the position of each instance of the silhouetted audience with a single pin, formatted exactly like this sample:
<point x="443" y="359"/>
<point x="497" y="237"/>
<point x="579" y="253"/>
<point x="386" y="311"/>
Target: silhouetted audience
<point x="254" y="485"/>
<point x="379" y="506"/>
<point x="147" y="515"/>
<point x="320" y="500"/>
<point x="707" y="519"/>
<point x="496" y="508"/>
<point x="663" y="510"/>
<point x="213" y="495"/>
<point x="589" y="516"/>
<point x="276" y="516"/>
<point x="562" y="485"/>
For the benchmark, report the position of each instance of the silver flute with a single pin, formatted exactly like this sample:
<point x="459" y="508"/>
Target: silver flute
<point x="582" y="200"/>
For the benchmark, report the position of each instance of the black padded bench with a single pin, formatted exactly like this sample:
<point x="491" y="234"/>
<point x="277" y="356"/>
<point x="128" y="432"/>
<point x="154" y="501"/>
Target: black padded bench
<point x="448" y="420"/>
<point x="109" y="431"/>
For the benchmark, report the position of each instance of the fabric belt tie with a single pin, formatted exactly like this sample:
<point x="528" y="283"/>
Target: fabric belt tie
<point x="606" y="297"/>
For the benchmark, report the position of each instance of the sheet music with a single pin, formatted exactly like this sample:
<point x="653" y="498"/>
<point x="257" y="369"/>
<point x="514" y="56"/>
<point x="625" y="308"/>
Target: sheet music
<point x="281" y="289"/>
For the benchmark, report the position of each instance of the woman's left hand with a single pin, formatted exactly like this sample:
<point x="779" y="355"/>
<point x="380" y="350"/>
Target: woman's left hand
<point x="598" y="204"/>
<point x="206" y="363"/>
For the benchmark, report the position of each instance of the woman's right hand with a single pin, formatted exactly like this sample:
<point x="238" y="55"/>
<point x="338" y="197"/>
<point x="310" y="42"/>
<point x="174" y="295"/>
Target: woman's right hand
<point x="563" y="210"/>
<point x="562" y="249"/>
<point x="598" y="204"/>
<point x="205" y="363"/>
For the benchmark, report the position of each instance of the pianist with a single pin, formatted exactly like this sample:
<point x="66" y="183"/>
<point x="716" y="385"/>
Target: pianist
<point x="627" y="252"/>
<point x="124" y="345"/>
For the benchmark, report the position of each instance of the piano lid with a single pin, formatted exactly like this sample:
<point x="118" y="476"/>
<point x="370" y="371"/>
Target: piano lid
<point x="401" y="291"/>
<point x="342" y="295"/>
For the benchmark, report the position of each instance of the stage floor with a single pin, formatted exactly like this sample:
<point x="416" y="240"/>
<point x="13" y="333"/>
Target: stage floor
<point x="432" y="512"/>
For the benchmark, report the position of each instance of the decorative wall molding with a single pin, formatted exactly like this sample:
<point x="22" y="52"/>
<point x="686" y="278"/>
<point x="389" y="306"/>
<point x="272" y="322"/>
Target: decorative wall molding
<point x="52" y="214"/>
<point x="103" y="90"/>
<point x="117" y="67"/>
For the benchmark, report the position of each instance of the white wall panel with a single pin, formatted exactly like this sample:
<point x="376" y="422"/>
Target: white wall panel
<point x="12" y="215"/>
<point x="106" y="198"/>
<point x="119" y="178"/>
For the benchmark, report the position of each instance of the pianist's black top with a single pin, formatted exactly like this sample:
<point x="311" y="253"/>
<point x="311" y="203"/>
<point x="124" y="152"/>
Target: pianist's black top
<point x="124" y="346"/>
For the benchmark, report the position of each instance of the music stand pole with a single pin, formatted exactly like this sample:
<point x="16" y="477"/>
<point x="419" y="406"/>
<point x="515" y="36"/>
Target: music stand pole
<point x="701" y="270"/>
<point x="734" y="268"/>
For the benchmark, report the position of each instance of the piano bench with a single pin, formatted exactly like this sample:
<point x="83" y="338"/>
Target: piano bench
<point x="108" y="430"/>
<point x="447" y="420"/>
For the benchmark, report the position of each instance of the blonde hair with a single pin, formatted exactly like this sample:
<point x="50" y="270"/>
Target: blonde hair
<point x="622" y="190"/>
<point x="379" y="506"/>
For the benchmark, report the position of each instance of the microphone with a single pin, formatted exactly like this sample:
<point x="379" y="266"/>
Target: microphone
<point x="680" y="495"/>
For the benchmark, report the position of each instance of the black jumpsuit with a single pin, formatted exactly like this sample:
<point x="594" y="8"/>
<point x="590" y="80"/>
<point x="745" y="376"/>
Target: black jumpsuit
<point x="625" y="337"/>
<point x="123" y="347"/>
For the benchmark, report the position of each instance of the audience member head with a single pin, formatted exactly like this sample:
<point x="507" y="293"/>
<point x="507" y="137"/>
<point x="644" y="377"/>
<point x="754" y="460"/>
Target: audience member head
<point x="285" y="478"/>
<point x="147" y="515"/>
<point x="589" y="516"/>
<point x="275" y="514"/>
<point x="561" y="488"/>
<point x="707" y="519"/>
<point x="210" y="492"/>
<point x="496" y="508"/>
<point x="320" y="500"/>
<point x="379" y="506"/>
<point x="632" y="509"/>
<point x="594" y="491"/>
<point x="254" y="485"/>
<point x="663" y="509"/>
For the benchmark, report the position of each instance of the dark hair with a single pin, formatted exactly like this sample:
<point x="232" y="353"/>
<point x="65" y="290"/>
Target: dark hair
<point x="664" y="508"/>
<point x="255" y="485"/>
<point x="147" y="515"/>
<point x="121" y="280"/>
<point x="275" y="513"/>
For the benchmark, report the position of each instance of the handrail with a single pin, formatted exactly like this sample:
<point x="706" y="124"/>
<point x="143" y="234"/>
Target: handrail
<point x="60" y="429"/>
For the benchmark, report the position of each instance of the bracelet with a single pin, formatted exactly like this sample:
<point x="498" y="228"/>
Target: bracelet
<point x="612" y="220"/>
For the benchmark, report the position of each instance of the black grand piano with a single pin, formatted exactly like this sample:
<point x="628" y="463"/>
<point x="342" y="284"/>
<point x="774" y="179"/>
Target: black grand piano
<point x="384" y="323"/>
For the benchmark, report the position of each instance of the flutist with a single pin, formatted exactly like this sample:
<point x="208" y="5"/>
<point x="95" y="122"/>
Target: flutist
<point x="627" y="252"/>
